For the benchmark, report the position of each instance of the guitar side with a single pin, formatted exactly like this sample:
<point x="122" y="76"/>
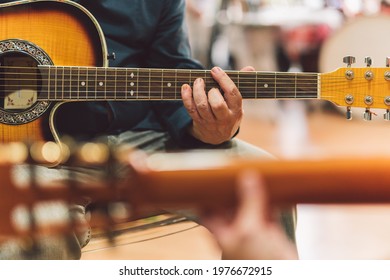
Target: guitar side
<point x="67" y="33"/>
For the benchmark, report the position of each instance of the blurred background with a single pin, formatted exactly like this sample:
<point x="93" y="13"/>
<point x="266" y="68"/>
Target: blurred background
<point x="306" y="36"/>
<point x="290" y="36"/>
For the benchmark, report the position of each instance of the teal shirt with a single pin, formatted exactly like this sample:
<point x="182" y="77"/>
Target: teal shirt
<point x="142" y="33"/>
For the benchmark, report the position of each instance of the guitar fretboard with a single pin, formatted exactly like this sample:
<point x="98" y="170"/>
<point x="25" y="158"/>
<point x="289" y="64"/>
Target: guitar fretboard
<point x="58" y="83"/>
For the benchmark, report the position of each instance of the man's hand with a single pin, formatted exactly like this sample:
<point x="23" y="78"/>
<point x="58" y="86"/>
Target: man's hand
<point x="216" y="117"/>
<point x="250" y="230"/>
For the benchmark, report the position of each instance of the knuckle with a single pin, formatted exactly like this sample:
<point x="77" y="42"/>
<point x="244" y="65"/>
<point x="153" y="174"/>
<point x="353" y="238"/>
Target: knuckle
<point x="202" y="105"/>
<point x="191" y="110"/>
<point x="219" y="106"/>
<point x="234" y="91"/>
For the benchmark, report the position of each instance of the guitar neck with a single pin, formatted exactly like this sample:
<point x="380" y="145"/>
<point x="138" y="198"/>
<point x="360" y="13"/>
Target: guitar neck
<point x="196" y="181"/>
<point x="124" y="84"/>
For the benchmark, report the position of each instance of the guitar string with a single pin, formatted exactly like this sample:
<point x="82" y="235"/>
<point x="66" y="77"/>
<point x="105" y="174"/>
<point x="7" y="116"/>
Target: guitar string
<point x="154" y="81"/>
<point x="304" y="80"/>
<point x="60" y="71"/>
<point x="168" y="84"/>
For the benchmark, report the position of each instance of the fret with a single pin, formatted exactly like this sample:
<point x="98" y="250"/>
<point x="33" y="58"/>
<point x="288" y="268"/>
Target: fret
<point x="169" y="85"/>
<point x="295" y="84"/>
<point x="59" y="90"/>
<point x="100" y="90"/>
<point x="131" y="84"/>
<point x="182" y="77"/>
<point x="247" y="84"/>
<point x="307" y="86"/>
<point x="66" y="84"/>
<point x="285" y="87"/>
<point x="265" y="85"/>
<point x="126" y="82"/>
<point x="52" y="83"/>
<point x="275" y="85"/>
<point x="162" y="84"/>
<point x="91" y="83"/>
<point x="110" y="84"/>
<point x="149" y="83"/>
<point x="137" y="91"/>
<point x="176" y="85"/>
<point x="82" y="83"/>
<point x="120" y="84"/>
<point x="74" y="86"/>
<point x="115" y="69"/>
<point x="62" y="82"/>
<point x="143" y="84"/>
<point x="155" y="81"/>
<point x="256" y="83"/>
<point x="105" y="83"/>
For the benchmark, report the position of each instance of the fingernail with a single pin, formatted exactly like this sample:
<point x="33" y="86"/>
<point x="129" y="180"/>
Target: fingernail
<point x="216" y="69"/>
<point x="185" y="87"/>
<point x="198" y="81"/>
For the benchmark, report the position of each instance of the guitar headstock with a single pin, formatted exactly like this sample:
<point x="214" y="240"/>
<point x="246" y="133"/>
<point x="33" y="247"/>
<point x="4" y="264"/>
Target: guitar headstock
<point x="367" y="87"/>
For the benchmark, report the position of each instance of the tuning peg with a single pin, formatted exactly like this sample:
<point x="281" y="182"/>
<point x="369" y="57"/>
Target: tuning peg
<point x="387" y="115"/>
<point x="349" y="60"/>
<point x="368" y="61"/>
<point x="367" y="115"/>
<point x="349" y="113"/>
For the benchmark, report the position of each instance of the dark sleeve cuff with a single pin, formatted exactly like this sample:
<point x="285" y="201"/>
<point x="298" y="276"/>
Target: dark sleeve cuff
<point x="179" y="122"/>
<point x="180" y="133"/>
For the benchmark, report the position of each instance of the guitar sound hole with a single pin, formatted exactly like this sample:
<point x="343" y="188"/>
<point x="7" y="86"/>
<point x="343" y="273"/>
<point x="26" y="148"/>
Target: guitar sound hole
<point x="19" y="82"/>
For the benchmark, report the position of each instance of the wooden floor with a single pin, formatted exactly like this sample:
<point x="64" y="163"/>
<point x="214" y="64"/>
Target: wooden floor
<point x="323" y="232"/>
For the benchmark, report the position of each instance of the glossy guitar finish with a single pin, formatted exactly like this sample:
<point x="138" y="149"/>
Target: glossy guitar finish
<point x="55" y="51"/>
<point x="65" y="34"/>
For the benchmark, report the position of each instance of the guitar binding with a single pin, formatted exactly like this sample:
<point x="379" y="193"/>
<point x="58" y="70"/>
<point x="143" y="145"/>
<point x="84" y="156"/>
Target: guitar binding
<point x="29" y="53"/>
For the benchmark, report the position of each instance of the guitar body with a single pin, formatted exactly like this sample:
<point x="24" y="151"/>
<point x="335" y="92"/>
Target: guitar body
<point x="44" y="33"/>
<point x="52" y="52"/>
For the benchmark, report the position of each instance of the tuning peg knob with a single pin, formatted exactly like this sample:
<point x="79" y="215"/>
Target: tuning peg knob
<point x="368" y="61"/>
<point x="386" y="115"/>
<point x="367" y="115"/>
<point x="349" y="113"/>
<point x="349" y="60"/>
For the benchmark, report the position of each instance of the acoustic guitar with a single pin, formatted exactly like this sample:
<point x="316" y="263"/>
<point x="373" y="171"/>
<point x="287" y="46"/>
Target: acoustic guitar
<point x="52" y="52"/>
<point x="177" y="181"/>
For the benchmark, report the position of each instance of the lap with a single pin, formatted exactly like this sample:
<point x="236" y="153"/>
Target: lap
<point x="149" y="141"/>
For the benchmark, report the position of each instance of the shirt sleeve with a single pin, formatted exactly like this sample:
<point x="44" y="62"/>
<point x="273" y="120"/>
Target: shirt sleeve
<point x="171" y="49"/>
